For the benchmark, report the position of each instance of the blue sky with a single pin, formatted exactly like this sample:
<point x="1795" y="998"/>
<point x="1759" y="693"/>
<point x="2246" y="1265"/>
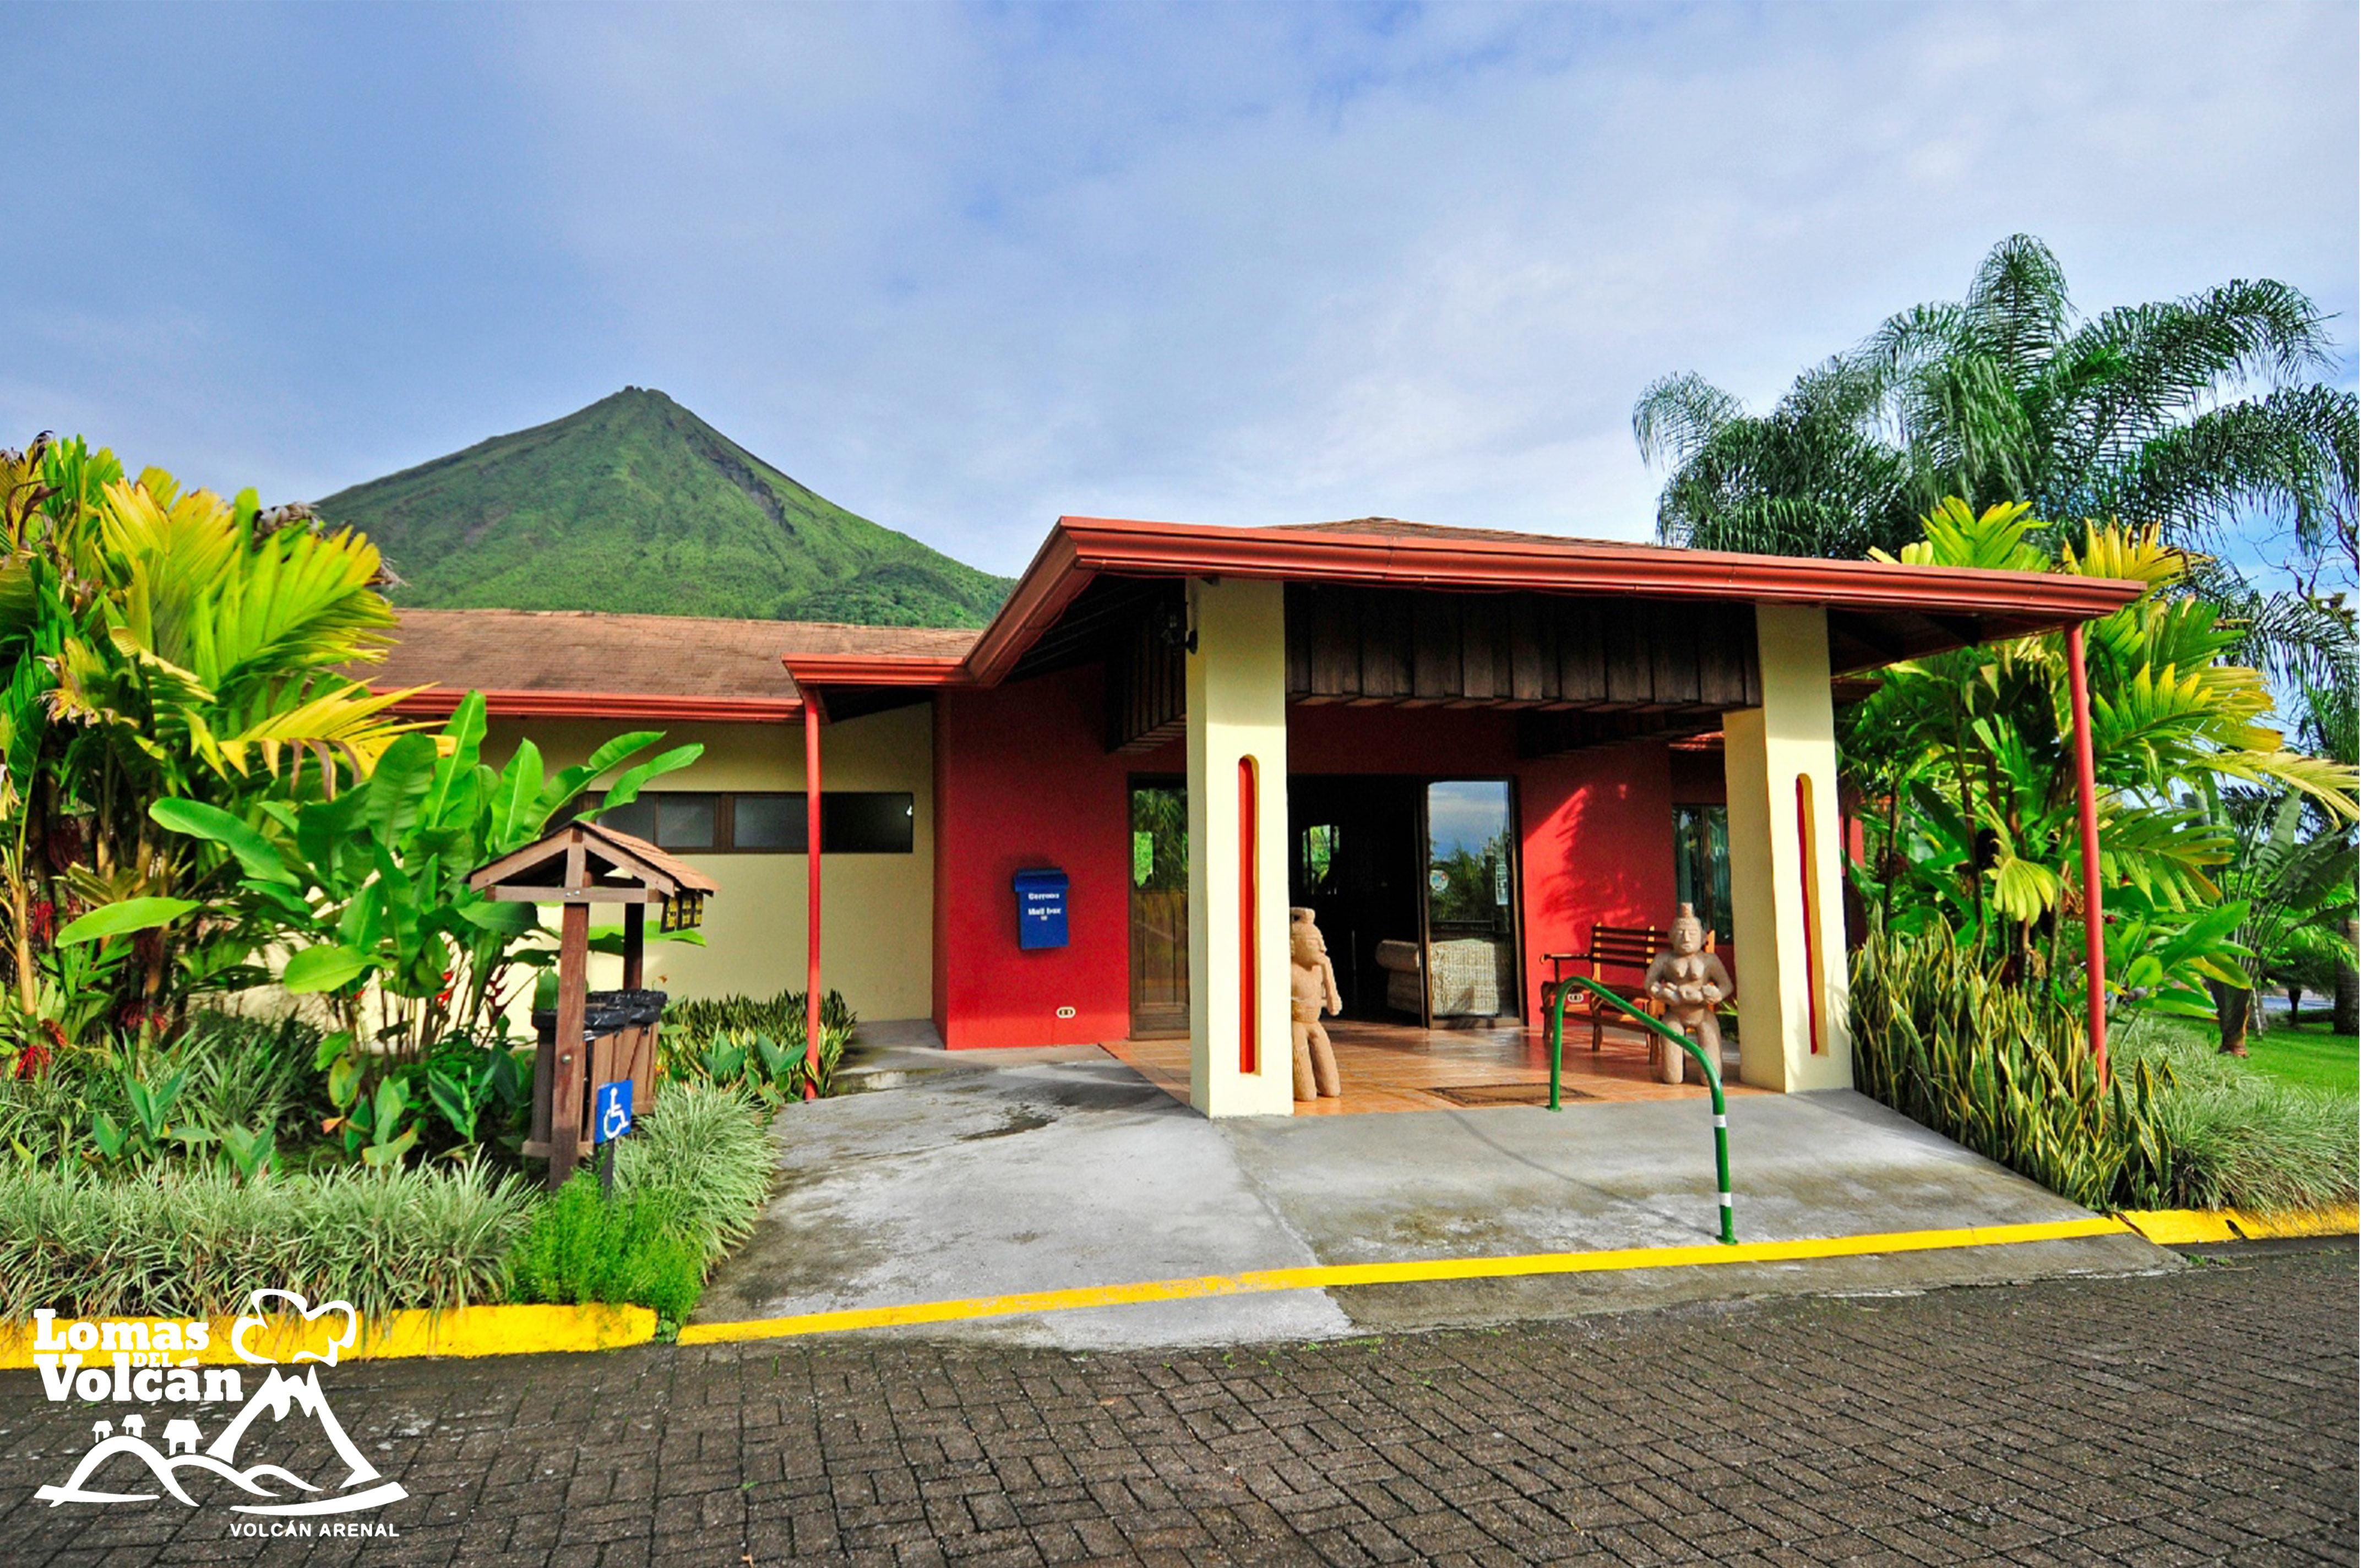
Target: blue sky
<point x="963" y="269"/>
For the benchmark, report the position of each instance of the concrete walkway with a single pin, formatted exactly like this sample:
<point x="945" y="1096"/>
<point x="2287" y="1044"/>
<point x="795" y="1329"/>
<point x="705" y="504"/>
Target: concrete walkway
<point x="992" y="1172"/>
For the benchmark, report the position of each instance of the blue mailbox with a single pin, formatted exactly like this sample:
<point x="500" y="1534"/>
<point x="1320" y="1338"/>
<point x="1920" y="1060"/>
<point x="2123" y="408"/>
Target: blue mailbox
<point x="1041" y="908"/>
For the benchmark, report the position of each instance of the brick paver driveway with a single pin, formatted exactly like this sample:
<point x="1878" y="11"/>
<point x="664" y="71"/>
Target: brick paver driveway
<point x="2204" y="1416"/>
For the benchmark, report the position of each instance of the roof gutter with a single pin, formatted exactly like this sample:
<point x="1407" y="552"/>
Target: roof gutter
<point x="440" y="702"/>
<point x="876" y="669"/>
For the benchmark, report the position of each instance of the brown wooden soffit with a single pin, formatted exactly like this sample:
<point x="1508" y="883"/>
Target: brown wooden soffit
<point x="1365" y="646"/>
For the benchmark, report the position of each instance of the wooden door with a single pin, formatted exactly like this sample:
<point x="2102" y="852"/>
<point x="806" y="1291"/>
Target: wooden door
<point x="1159" y="908"/>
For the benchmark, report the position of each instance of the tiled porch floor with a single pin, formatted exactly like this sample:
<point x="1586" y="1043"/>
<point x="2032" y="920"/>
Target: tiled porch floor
<point x="1398" y="1066"/>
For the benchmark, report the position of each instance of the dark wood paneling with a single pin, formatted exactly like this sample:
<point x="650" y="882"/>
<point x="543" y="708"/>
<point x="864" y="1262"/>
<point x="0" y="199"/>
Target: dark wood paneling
<point x="1369" y="645"/>
<point x="1383" y="622"/>
<point x="1532" y="659"/>
<point x="1434" y="653"/>
<point x="1148" y="687"/>
<point x="1581" y="655"/>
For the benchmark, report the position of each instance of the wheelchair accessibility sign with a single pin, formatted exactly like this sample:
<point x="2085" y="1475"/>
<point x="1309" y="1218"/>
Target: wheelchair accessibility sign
<point x="610" y="1116"/>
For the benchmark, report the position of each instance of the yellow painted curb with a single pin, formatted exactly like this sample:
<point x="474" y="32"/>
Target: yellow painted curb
<point x="2188" y="1227"/>
<point x="463" y="1331"/>
<point x="1334" y="1276"/>
<point x="2182" y="1227"/>
<point x="2344" y="1222"/>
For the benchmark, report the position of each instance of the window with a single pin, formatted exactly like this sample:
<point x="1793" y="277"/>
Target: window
<point x="1319" y="851"/>
<point x="774" y="823"/>
<point x="1701" y="864"/>
<point x="744" y="822"/>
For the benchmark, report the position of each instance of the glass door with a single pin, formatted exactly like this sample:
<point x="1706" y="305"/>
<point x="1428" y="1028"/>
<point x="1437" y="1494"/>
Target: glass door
<point x="1471" y="901"/>
<point x="1159" y="908"/>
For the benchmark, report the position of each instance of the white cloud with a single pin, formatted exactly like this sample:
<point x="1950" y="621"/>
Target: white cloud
<point x="964" y="268"/>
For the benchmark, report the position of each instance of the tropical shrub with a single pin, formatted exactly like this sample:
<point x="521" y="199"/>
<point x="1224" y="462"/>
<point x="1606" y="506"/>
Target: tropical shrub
<point x="225" y="1090"/>
<point x="689" y="1183"/>
<point x="708" y="1149"/>
<point x="159" y="644"/>
<point x="254" y="1095"/>
<point x="369" y="889"/>
<point x="585" y="1246"/>
<point x="1965" y="759"/>
<point x="1943" y="1035"/>
<point x="756" y="1046"/>
<point x="779" y="1016"/>
<point x="192" y="1243"/>
<point x="2297" y="889"/>
<point x="2237" y="1138"/>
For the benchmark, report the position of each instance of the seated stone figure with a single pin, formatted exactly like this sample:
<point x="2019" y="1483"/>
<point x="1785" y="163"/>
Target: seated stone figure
<point x="1312" y="991"/>
<point x="1691" y="983"/>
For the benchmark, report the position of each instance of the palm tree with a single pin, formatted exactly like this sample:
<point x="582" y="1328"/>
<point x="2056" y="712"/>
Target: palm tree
<point x="2191" y="415"/>
<point x="2299" y="895"/>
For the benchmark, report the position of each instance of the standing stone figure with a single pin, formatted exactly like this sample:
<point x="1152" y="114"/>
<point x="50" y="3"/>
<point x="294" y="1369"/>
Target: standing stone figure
<point x="1691" y="983"/>
<point x="1312" y="990"/>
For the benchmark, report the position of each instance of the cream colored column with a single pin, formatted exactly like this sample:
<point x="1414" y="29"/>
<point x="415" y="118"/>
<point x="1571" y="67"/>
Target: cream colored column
<point x="1237" y="714"/>
<point x="1788" y="922"/>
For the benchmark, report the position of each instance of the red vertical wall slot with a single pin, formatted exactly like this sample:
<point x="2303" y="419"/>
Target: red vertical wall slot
<point x="1805" y="846"/>
<point x="1249" y="980"/>
<point x="811" y="896"/>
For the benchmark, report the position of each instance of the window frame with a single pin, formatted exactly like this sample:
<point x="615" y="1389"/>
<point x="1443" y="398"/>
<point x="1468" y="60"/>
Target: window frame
<point x="725" y="820"/>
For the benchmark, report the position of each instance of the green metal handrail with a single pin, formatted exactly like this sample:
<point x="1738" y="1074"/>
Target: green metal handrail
<point x="1712" y="1079"/>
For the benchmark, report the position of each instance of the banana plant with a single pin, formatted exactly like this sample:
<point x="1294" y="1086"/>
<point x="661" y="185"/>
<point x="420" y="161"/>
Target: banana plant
<point x="369" y="889"/>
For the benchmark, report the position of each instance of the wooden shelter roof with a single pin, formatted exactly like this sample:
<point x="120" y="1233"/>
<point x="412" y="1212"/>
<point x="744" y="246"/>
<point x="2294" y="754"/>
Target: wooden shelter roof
<point x="615" y="862"/>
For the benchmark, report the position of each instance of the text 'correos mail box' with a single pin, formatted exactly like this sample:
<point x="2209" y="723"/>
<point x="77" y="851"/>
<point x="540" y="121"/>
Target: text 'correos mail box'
<point x="1041" y="908"/>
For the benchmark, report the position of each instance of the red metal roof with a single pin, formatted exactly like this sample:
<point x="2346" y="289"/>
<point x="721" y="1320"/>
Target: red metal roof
<point x="1385" y="553"/>
<point x="674" y="667"/>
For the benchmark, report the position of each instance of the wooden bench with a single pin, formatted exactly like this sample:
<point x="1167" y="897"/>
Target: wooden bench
<point x="1618" y="948"/>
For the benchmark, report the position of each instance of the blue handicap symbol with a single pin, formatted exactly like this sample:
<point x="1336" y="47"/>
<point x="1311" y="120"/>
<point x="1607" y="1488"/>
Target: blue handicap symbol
<point x="612" y="1111"/>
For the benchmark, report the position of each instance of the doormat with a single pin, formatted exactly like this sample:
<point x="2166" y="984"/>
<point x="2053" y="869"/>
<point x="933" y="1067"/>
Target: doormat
<point x="1506" y="1094"/>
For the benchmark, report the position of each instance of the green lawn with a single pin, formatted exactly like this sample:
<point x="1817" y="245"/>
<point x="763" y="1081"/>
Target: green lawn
<point x="2307" y="1055"/>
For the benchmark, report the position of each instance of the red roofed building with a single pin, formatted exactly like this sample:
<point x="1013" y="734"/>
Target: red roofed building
<point x="1464" y="749"/>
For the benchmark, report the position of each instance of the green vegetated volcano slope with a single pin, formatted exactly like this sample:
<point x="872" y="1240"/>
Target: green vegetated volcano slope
<point x="636" y="504"/>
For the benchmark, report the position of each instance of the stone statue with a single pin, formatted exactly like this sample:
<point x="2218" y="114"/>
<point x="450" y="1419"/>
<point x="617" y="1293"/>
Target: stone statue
<point x="1312" y="991"/>
<point x="1691" y="983"/>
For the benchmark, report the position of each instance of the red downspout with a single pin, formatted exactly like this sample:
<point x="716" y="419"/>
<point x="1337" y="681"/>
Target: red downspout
<point x="811" y="912"/>
<point x="2086" y="803"/>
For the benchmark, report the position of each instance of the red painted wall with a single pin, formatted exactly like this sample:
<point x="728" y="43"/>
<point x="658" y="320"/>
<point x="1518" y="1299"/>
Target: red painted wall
<point x="1024" y="779"/>
<point x="1597" y="826"/>
<point x="1598" y="848"/>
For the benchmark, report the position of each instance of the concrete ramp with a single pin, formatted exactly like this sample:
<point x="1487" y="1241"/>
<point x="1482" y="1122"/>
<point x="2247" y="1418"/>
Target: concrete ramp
<point x="1004" y="1172"/>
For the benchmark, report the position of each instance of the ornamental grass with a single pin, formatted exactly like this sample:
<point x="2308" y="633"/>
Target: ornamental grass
<point x="690" y="1185"/>
<point x="192" y="1243"/>
<point x="1941" y="1037"/>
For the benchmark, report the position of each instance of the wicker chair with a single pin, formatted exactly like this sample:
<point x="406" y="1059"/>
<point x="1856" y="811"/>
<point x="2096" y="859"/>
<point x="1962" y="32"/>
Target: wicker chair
<point x="1466" y="977"/>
